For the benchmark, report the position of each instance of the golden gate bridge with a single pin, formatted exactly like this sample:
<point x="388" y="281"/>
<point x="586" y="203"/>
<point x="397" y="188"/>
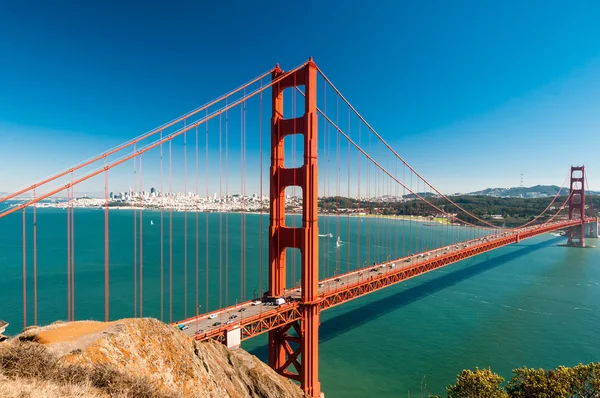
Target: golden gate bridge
<point x="318" y="144"/>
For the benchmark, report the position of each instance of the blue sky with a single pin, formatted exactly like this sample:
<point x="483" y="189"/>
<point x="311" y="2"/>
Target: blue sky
<point x="470" y="93"/>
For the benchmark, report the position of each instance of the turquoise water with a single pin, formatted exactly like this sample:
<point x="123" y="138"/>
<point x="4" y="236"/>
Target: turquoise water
<point x="533" y="304"/>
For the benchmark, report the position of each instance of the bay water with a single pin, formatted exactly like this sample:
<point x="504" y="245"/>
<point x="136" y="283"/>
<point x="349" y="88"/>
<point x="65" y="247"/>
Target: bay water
<point x="530" y="304"/>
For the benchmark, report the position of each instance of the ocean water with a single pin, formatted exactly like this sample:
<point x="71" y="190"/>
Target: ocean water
<point x="532" y="304"/>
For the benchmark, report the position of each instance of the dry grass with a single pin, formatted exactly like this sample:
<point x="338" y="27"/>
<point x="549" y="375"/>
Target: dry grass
<point x="26" y="388"/>
<point x="32" y="364"/>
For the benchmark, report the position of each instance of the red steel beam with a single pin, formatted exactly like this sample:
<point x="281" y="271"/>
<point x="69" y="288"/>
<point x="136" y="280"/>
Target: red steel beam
<point x="292" y="312"/>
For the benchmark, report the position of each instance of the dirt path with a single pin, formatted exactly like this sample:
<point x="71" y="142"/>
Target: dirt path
<point x="71" y="331"/>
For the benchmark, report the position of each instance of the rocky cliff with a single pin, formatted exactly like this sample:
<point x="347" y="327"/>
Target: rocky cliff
<point x="131" y="357"/>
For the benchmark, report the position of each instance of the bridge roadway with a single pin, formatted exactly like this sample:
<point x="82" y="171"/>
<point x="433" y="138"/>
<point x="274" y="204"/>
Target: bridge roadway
<point x="256" y="318"/>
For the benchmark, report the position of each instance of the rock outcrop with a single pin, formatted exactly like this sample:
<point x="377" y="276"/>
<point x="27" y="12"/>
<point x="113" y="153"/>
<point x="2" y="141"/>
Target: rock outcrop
<point x="146" y="351"/>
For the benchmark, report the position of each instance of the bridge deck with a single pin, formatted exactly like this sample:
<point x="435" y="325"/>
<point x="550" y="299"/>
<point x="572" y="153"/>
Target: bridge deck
<point x="254" y="319"/>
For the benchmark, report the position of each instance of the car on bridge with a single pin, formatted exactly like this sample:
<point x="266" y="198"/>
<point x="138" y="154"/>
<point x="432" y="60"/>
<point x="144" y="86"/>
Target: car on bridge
<point x="274" y="301"/>
<point x="212" y="316"/>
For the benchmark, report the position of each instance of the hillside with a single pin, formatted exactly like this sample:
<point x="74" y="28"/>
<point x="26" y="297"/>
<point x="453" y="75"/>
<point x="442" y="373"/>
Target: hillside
<point x="537" y="191"/>
<point x="519" y="192"/>
<point x="131" y="358"/>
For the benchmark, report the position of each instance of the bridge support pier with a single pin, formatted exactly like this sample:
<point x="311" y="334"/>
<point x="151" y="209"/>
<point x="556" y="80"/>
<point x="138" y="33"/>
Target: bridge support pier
<point x="295" y="346"/>
<point x="577" y="206"/>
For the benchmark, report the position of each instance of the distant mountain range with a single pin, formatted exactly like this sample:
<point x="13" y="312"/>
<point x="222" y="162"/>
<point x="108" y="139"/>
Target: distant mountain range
<point x="537" y="191"/>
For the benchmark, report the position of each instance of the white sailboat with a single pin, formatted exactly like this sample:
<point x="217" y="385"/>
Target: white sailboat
<point x="151" y="222"/>
<point x="338" y="243"/>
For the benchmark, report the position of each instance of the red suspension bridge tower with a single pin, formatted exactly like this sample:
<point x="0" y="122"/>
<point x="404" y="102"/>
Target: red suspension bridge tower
<point x="577" y="206"/>
<point x="295" y="345"/>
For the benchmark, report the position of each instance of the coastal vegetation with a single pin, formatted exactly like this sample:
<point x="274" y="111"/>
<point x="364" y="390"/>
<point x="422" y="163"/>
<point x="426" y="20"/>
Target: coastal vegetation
<point x="581" y="381"/>
<point x="499" y="211"/>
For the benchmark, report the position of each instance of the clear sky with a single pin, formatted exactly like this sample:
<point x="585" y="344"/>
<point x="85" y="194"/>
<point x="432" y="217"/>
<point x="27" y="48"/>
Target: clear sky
<point x="471" y="93"/>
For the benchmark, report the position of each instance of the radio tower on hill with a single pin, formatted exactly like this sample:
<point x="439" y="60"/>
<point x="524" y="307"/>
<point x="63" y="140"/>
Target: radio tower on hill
<point x="522" y="180"/>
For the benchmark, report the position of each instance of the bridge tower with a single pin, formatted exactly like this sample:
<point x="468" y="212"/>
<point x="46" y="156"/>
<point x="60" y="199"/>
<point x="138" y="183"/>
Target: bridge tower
<point x="577" y="206"/>
<point x="295" y="346"/>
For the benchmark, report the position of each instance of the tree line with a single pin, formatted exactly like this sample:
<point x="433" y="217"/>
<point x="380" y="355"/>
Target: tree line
<point x="501" y="211"/>
<point x="582" y="381"/>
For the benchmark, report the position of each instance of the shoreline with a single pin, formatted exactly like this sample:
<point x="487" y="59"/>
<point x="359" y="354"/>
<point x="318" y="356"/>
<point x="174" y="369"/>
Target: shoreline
<point x="421" y="219"/>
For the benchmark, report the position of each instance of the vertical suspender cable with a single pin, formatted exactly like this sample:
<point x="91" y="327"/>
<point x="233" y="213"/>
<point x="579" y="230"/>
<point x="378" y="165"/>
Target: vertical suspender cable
<point x="134" y="194"/>
<point x="396" y="223"/>
<point x="226" y="200"/>
<point x="24" y="269"/>
<point x="68" y="254"/>
<point x="197" y="210"/>
<point x="410" y="203"/>
<point x="260" y="192"/>
<point x="35" y="317"/>
<point x="377" y="218"/>
<point x="368" y="239"/>
<point x="162" y="249"/>
<point x="220" y="212"/>
<point x="243" y="298"/>
<point x="326" y="187"/>
<point x="337" y="182"/>
<point x="325" y="173"/>
<point x="241" y="193"/>
<point x="392" y="220"/>
<point x="418" y="211"/>
<point x="206" y="213"/>
<point x="72" y="252"/>
<point x="403" y="223"/>
<point x="106" y="245"/>
<point x="141" y="234"/>
<point x="375" y="241"/>
<point x="185" y="251"/>
<point x="358" y="256"/>
<point x="390" y="244"/>
<point x="171" y="230"/>
<point x="348" y="204"/>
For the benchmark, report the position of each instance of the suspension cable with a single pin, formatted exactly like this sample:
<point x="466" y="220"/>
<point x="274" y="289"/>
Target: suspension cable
<point x="138" y="139"/>
<point x="148" y="147"/>
<point x="402" y="159"/>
